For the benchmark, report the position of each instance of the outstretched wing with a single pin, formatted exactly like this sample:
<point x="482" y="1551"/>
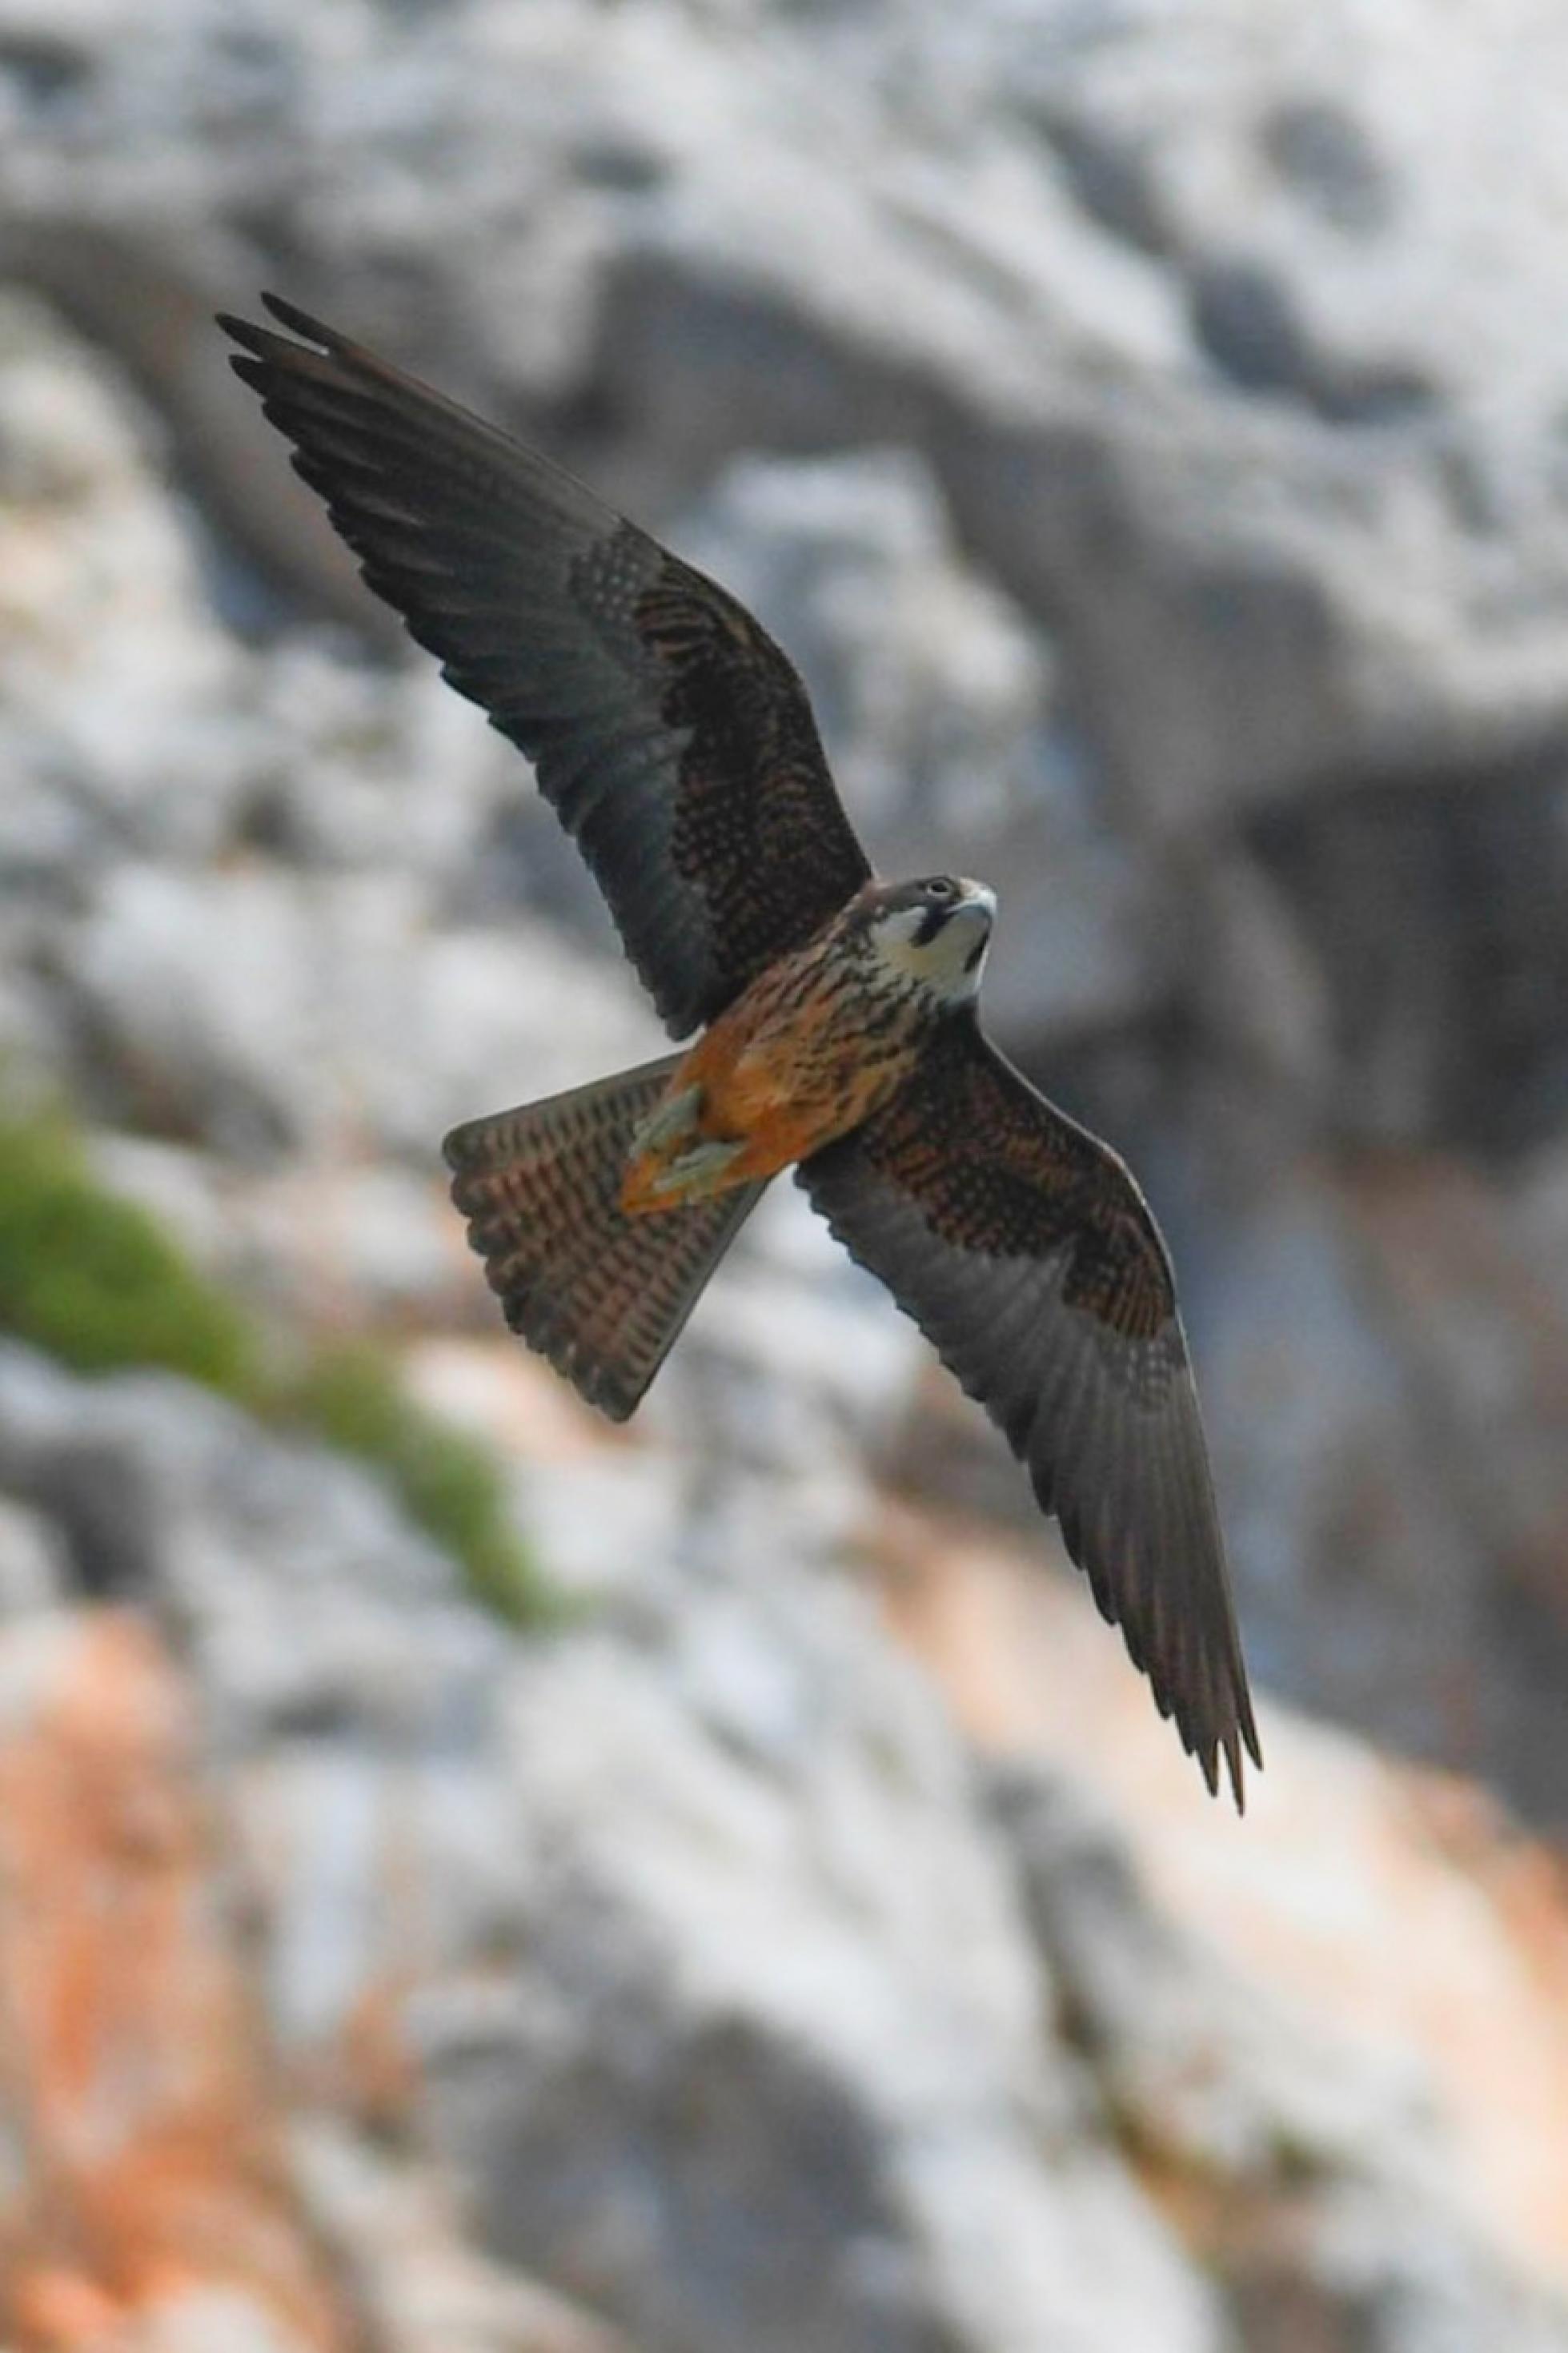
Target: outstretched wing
<point x="671" y="735"/>
<point x="1026" y="1254"/>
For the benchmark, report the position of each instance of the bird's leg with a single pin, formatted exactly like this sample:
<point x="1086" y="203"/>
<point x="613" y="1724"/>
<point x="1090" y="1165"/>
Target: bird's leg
<point x="694" y="1174"/>
<point x="671" y="1160"/>
<point x="669" y="1122"/>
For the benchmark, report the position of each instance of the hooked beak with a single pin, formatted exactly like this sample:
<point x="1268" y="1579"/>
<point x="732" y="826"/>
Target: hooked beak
<point x="974" y="916"/>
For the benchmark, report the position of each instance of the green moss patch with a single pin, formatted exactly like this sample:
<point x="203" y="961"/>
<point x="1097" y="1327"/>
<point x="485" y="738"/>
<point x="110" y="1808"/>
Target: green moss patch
<point x="94" y="1280"/>
<point x="448" y="1483"/>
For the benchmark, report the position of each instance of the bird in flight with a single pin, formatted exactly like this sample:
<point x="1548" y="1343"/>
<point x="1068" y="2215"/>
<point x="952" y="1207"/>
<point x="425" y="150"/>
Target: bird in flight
<point x="836" y="1014"/>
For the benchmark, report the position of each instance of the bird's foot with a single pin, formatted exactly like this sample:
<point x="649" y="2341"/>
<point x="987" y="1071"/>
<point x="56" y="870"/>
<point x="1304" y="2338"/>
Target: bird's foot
<point x="671" y="1122"/>
<point x="691" y="1176"/>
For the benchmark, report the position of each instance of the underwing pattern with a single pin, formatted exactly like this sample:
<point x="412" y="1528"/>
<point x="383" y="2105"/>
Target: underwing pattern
<point x="677" y="745"/>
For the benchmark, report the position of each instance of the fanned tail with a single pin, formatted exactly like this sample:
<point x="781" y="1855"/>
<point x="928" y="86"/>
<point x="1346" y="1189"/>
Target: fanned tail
<point x="601" y="1295"/>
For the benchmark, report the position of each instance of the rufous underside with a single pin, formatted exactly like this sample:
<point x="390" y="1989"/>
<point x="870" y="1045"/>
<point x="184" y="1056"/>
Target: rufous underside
<point x="804" y="1056"/>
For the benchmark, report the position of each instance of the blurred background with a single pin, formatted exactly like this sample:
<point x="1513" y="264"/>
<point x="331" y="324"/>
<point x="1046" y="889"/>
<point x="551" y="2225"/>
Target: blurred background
<point x="475" y="1881"/>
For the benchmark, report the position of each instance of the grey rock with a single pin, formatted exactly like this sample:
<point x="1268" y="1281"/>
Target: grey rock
<point x="1541" y="1206"/>
<point x="725" y="2007"/>
<point x="727" y="2016"/>
<point x="948" y="742"/>
<point x="32" y="1568"/>
<point x="1357" y="1328"/>
<point x="1345" y="2224"/>
<point x="1335" y="1468"/>
<point x="1374" y="2276"/>
<point x="1431" y="921"/>
<point x="608" y="1527"/>
<point x="1258" y="986"/>
<point x="117" y="689"/>
<point x="1228" y="464"/>
<point x="495" y="1016"/>
<point x="373" y="1238"/>
<point x="170" y="1497"/>
<point x="390" y="2225"/>
<point x="1194" y="2060"/>
<point x="834" y="1355"/>
<point x="1271" y="609"/>
<point x="202" y="1009"/>
<point x="268" y="1011"/>
<point x="179" y="1186"/>
<point x="136" y="724"/>
<point x="1168" y="514"/>
<point x="204" y="2318"/>
<point x="346" y="1687"/>
<point x="933" y="689"/>
<point x="773" y="1972"/>
<point x="377" y="1864"/>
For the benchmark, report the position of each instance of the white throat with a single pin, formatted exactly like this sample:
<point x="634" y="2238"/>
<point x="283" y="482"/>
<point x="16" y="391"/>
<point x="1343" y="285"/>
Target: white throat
<point x="948" y="965"/>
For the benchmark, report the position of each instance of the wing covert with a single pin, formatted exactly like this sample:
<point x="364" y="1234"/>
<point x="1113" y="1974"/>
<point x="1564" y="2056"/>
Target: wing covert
<point x="1026" y="1252"/>
<point x="671" y="736"/>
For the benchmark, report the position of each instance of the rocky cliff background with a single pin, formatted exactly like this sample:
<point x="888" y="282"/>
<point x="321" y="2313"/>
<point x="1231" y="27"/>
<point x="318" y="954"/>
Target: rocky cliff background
<point x="740" y="1896"/>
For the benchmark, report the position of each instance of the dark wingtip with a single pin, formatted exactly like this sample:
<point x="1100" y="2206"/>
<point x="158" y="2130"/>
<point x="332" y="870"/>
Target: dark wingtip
<point x="300" y="322"/>
<point x="1233" y="1768"/>
<point x="1249" y="1732"/>
<point x="253" y="343"/>
<point x="263" y="345"/>
<point x="1243" y="1733"/>
<point x="254" y="373"/>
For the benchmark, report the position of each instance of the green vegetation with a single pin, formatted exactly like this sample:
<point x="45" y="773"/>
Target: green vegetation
<point x="449" y="1483"/>
<point x="94" y="1280"/>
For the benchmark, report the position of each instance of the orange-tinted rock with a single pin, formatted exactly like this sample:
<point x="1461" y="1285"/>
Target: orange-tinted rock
<point x="1398" y="1909"/>
<point x="131" y="2071"/>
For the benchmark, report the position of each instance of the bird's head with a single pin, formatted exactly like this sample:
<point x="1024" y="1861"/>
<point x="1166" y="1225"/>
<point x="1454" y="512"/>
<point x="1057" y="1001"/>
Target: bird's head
<point x="933" y="932"/>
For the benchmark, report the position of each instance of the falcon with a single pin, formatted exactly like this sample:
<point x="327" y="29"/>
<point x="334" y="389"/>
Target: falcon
<point x="835" y="1015"/>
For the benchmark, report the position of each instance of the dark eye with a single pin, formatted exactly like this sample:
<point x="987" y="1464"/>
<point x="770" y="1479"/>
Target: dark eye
<point x="939" y="890"/>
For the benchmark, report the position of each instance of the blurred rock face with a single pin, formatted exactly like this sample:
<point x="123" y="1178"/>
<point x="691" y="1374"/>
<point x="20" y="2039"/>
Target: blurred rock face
<point x="690" y="1957"/>
<point x="1144" y="428"/>
<point x="153" y="2208"/>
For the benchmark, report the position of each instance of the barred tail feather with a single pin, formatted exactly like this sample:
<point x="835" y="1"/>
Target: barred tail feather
<point x="601" y="1295"/>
